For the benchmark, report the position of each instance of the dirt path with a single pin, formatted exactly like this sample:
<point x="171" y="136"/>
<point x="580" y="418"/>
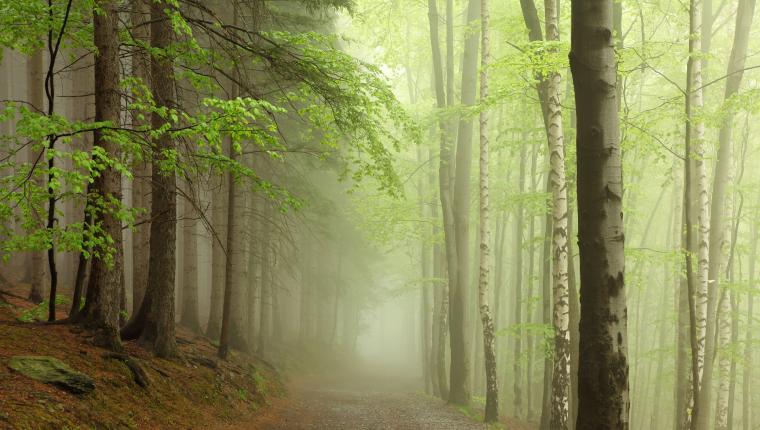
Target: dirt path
<point x="360" y="403"/>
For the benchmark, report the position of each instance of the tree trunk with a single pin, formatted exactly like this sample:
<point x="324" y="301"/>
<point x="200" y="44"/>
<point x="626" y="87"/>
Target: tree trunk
<point x="229" y="280"/>
<point x="733" y="362"/>
<point x="574" y="319"/>
<point x="154" y="321"/>
<point x="603" y="362"/>
<point x="305" y="321"/>
<point x="724" y="362"/>
<point x="140" y="18"/>
<point x="440" y="304"/>
<point x="695" y="201"/>
<point x="445" y="169"/>
<point x="530" y="341"/>
<point x="35" y="97"/>
<point x="238" y="230"/>
<point x="517" y="288"/>
<point x="684" y="309"/>
<point x="254" y="279"/>
<point x="747" y="420"/>
<point x="561" y="371"/>
<point x="458" y="308"/>
<point x="101" y="311"/>
<point x="425" y="270"/>
<point x="234" y="323"/>
<point x="489" y="341"/>
<point x="724" y="319"/>
<point x="266" y="287"/>
<point x="219" y="215"/>
<point x="189" y="314"/>
<point x="734" y="76"/>
<point x="546" y="306"/>
<point x="749" y="338"/>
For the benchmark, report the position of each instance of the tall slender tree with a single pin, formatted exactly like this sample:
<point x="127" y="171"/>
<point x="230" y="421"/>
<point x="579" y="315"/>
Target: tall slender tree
<point x="717" y="242"/>
<point x="153" y="323"/>
<point x="444" y="169"/>
<point x="140" y="19"/>
<point x="561" y="315"/>
<point x="489" y="339"/>
<point x="102" y="306"/>
<point x="459" y="391"/>
<point x="603" y="363"/>
<point x="35" y="80"/>
<point x="189" y="312"/>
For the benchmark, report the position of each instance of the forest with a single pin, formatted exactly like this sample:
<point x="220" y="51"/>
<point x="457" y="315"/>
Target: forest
<point x="386" y="214"/>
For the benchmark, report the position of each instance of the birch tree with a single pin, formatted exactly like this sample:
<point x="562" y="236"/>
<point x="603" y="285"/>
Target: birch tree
<point x="561" y="315"/>
<point x="489" y="339"/>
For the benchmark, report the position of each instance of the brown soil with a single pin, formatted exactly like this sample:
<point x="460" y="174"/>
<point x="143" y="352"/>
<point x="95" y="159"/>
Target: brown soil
<point x="183" y="393"/>
<point x="243" y="393"/>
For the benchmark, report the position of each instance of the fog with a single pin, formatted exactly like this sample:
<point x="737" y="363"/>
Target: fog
<point x="544" y="212"/>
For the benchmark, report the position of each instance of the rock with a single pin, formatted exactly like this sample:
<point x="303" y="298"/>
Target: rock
<point x="52" y="371"/>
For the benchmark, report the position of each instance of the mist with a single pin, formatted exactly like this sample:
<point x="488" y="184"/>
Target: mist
<point x="341" y="214"/>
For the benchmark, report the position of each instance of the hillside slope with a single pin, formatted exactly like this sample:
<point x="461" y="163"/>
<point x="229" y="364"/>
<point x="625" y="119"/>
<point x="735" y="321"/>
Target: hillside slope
<point x="196" y="391"/>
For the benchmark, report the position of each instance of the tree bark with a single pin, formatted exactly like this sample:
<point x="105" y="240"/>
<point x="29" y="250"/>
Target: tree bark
<point x="459" y="392"/>
<point x="489" y="338"/>
<point x="691" y="207"/>
<point x="266" y="288"/>
<point x="734" y="76"/>
<point x="189" y="313"/>
<point x="561" y="371"/>
<point x="444" y="177"/>
<point x="747" y="419"/>
<point x="101" y="312"/>
<point x="140" y="18"/>
<point x="426" y="274"/>
<point x="154" y="322"/>
<point x="603" y="362"/>
<point x="224" y="334"/>
<point x="517" y="288"/>
<point x="219" y="257"/>
<point x="575" y="314"/>
<point x="35" y="97"/>
<point x="254" y="281"/>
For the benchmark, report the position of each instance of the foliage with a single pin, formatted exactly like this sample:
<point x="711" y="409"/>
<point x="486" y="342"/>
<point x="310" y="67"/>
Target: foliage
<point x="39" y="312"/>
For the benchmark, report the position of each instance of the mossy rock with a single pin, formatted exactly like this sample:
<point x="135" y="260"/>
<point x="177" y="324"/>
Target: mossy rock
<point x="52" y="371"/>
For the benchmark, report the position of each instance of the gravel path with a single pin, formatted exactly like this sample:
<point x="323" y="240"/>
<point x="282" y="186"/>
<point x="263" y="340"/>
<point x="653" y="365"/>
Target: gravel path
<point x="351" y="405"/>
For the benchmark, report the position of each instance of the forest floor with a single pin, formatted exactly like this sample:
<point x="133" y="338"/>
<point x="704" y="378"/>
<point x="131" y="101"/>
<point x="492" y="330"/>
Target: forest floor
<point x="194" y="391"/>
<point x="198" y="391"/>
<point x="365" y="399"/>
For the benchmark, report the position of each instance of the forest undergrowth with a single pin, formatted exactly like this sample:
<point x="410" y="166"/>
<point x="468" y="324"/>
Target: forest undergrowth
<point x="195" y="391"/>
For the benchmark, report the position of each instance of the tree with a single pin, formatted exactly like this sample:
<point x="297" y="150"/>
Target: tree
<point x="561" y="372"/>
<point x="445" y="168"/>
<point x="140" y="18"/>
<point x="717" y="240"/>
<point x="153" y="323"/>
<point x="189" y="313"/>
<point x="35" y="97"/>
<point x="603" y="363"/>
<point x="695" y="201"/>
<point x="101" y="311"/>
<point x="231" y="247"/>
<point x="747" y="419"/>
<point x="489" y="339"/>
<point x="458" y="308"/>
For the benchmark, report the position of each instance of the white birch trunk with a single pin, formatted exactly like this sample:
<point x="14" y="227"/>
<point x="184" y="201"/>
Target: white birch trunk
<point x="561" y="316"/>
<point x="703" y="217"/>
<point x="489" y="340"/>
